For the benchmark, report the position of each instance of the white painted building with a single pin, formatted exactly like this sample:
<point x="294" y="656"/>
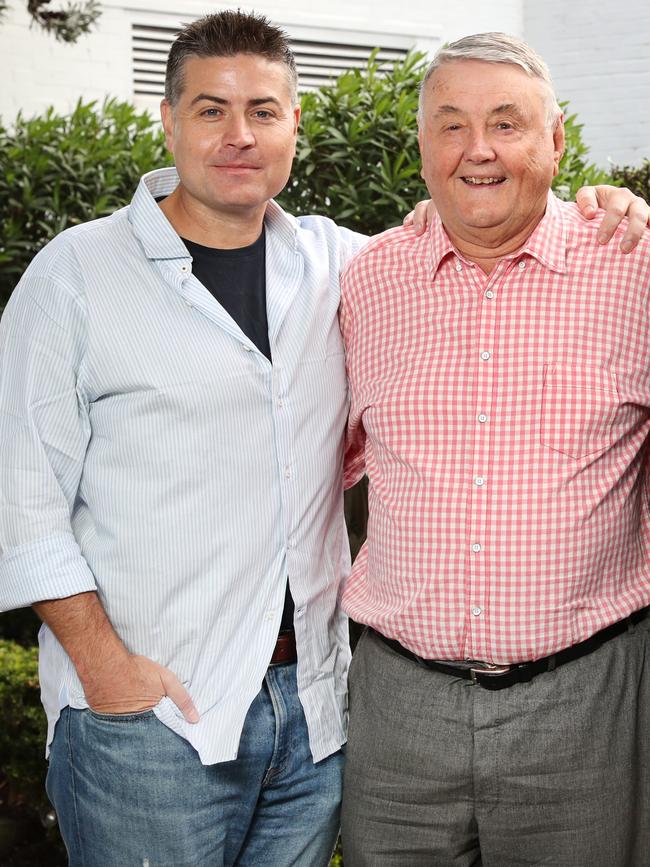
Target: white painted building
<point x="600" y="60"/>
<point x="599" y="54"/>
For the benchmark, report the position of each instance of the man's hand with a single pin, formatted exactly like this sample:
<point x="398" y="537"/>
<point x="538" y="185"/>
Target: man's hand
<point x="617" y="202"/>
<point x="130" y="684"/>
<point x="421" y="216"/>
<point x="114" y="680"/>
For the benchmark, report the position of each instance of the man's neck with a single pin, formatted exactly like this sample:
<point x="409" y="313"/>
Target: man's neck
<point x="221" y="230"/>
<point x="486" y="248"/>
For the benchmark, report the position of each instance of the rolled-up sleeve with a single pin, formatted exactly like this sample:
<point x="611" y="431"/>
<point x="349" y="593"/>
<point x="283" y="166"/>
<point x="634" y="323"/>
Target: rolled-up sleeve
<point x="44" y="433"/>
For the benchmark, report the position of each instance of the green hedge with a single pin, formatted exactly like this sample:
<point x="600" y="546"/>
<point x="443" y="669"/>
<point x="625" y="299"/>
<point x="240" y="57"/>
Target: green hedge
<point x="357" y="159"/>
<point x="636" y="178"/>
<point x="22" y="724"/>
<point x="60" y="170"/>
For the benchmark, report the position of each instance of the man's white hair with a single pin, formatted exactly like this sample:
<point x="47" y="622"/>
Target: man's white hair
<point x="496" y="48"/>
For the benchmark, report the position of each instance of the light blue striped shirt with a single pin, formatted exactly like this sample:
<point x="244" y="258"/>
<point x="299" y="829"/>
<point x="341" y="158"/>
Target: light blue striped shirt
<point x="149" y="451"/>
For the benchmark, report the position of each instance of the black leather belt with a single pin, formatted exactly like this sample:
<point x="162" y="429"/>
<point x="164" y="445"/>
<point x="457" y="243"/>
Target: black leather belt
<point x="491" y="676"/>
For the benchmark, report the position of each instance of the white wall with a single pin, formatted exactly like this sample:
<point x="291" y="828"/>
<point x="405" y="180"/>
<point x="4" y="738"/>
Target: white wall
<point x="36" y="71"/>
<point x="599" y="55"/>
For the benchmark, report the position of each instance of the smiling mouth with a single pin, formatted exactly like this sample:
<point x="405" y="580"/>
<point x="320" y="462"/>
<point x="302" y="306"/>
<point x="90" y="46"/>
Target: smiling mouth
<point x="482" y="182"/>
<point x="238" y="168"/>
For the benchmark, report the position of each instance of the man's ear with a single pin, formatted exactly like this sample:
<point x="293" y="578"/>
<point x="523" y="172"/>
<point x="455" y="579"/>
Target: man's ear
<point x="167" y="117"/>
<point x="558" y="143"/>
<point x="296" y="118"/>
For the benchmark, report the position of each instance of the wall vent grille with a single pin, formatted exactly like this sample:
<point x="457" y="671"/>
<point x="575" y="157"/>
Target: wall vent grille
<point x="318" y="62"/>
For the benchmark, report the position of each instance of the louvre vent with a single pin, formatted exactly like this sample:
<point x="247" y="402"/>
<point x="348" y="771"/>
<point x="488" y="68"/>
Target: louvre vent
<point x="318" y="62"/>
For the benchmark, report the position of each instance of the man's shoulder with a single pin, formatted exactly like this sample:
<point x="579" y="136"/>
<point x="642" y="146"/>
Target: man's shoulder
<point x="583" y="234"/>
<point x="62" y="265"/>
<point x="98" y="232"/>
<point x="391" y="248"/>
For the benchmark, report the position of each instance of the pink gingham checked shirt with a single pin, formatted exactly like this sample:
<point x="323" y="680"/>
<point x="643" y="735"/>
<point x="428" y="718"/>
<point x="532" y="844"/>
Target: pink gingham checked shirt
<point x="502" y="422"/>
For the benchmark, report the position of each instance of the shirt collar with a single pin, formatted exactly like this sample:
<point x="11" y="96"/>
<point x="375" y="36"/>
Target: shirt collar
<point x="157" y="235"/>
<point x="547" y="244"/>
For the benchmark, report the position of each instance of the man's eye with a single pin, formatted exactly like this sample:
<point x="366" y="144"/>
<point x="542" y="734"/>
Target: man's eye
<point x="262" y="114"/>
<point x="211" y="112"/>
<point x="504" y="124"/>
<point x="452" y="127"/>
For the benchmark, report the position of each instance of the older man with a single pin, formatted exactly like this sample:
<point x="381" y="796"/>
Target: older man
<point x="500" y="402"/>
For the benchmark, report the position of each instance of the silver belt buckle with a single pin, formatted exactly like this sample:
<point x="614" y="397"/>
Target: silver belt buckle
<point x="490" y="669"/>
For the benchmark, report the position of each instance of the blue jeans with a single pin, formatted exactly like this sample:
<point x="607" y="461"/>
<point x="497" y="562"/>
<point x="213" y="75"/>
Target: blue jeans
<point x="128" y="791"/>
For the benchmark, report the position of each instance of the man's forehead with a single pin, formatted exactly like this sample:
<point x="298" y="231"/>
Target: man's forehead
<point x="479" y="75"/>
<point x="225" y="75"/>
<point x="471" y="84"/>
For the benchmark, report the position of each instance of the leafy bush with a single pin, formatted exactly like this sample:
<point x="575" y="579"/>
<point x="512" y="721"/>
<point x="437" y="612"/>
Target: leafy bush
<point x="357" y="159"/>
<point x="22" y="723"/>
<point x="636" y="178"/>
<point x="56" y="171"/>
<point x="66" y="22"/>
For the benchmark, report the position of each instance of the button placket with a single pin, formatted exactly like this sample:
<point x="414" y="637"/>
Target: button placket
<point x="285" y="438"/>
<point x="478" y="560"/>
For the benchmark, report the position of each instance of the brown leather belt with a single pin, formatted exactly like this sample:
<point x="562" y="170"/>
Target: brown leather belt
<point x="285" y="649"/>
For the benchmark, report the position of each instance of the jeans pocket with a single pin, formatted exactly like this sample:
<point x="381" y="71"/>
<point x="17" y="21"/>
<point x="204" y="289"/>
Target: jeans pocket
<point x="579" y="406"/>
<point x="131" y="716"/>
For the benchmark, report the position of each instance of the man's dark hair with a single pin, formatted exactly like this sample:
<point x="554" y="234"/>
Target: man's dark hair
<point x="225" y="34"/>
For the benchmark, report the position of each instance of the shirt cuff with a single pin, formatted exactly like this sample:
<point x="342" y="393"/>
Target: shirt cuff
<point x="50" y="568"/>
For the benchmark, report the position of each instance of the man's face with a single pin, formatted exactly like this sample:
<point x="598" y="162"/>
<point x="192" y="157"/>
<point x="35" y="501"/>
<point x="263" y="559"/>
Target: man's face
<point x="232" y="132"/>
<point x="488" y="151"/>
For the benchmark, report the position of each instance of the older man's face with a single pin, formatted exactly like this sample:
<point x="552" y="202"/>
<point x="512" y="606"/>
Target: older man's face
<point x="488" y="151"/>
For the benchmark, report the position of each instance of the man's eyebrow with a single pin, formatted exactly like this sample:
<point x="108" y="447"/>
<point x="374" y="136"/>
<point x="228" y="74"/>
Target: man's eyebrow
<point x="504" y="108"/>
<point x="508" y="108"/>
<point x="208" y="97"/>
<point x="218" y="100"/>
<point x="447" y="109"/>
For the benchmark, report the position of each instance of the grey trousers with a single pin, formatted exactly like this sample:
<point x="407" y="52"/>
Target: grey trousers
<point x="556" y="771"/>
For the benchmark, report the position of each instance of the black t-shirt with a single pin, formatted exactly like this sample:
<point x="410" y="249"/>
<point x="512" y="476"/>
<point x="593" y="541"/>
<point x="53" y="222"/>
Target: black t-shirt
<point x="237" y="279"/>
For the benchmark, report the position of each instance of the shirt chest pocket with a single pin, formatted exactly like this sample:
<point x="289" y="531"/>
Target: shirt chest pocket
<point x="579" y="405"/>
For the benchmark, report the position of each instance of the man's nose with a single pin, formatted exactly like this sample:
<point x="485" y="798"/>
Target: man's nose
<point x="238" y="132"/>
<point x="479" y="148"/>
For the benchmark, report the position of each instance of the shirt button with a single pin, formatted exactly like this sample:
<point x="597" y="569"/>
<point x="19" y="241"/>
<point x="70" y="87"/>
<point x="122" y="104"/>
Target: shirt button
<point x="485" y="356"/>
<point x="482" y="418"/>
<point x="280" y="402"/>
<point x="270" y="615"/>
<point x="476" y="547"/>
<point x="459" y="267"/>
<point x="522" y="265"/>
<point x="479" y="481"/>
<point x="185" y="268"/>
<point x="300" y="612"/>
<point x="489" y="294"/>
<point x="246" y="348"/>
<point x="476" y="611"/>
<point x="287" y="472"/>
